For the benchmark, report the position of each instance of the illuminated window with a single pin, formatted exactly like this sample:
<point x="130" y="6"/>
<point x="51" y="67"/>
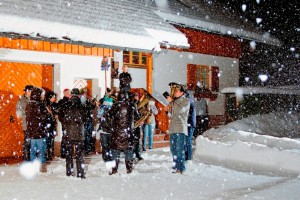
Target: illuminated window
<point x="204" y="76"/>
<point x="135" y="59"/>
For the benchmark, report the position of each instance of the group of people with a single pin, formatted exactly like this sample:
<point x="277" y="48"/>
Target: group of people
<point x="120" y="126"/>
<point x="38" y="111"/>
<point x="40" y="114"/>
<point x="116" y="117"/>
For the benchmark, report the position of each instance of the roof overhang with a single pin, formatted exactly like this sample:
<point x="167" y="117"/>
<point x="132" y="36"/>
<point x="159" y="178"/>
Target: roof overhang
<point x="218" y="28"/>
<point x="116" y="40"/>
<point x="287" y="90"/>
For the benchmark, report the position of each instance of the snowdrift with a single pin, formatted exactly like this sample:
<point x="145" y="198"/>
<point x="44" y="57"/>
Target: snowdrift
<point x="255" y="144"/>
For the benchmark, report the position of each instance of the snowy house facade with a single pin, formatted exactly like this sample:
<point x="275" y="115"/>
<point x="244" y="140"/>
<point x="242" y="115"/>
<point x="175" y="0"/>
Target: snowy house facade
<point x="60" y="44"/>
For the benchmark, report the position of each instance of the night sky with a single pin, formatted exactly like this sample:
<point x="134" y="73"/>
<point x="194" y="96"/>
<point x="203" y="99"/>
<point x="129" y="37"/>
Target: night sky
<point x="280" y="18"/>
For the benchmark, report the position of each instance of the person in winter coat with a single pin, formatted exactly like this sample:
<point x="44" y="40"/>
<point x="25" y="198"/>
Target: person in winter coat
<point x="105" y="128"/>
<point x="191" y="127"/>
<point x="149" y="125"/>
<point x="178" y="111"/>
<point x="20" y="110"/>
<point x="52" y="109"/>
<point x="62" y="106"/>
<point x="74" y="136"/>
<point x="125" y="79"/>
<point x="36" y="114"/>
<point x="89" y="105"/>
<point x="137" y="130"/>
<point x="121" y="115"/>
<point x="201" y="116"/>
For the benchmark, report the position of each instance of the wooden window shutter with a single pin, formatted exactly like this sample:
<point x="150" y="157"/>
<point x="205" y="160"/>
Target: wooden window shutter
<point x="215" y="79"/>
<point x="191" y="76"/>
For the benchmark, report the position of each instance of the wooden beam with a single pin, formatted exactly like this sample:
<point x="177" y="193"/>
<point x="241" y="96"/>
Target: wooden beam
<point x="149" y="70"/>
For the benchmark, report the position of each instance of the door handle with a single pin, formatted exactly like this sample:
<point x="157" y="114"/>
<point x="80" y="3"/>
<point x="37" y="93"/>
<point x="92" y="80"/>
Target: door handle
<point x="11" y="119"/>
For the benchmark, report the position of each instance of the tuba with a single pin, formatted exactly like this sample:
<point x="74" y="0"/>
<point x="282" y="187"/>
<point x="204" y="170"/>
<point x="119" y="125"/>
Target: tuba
<point x="143" y="110"/>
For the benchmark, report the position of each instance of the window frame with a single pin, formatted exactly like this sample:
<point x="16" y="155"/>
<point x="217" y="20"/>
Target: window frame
<point x="131" y="55"/>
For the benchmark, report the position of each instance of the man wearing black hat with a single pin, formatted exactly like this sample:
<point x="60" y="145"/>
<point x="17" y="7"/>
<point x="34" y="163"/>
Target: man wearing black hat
<point x="20" y="109"/>
<point x="178" y="112"/>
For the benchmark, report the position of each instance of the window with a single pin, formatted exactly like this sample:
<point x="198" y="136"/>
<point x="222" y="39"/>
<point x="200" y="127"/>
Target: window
<point x="135" y="59"/>
<point x="202" y="76"/>
<point x="206" y="76"/>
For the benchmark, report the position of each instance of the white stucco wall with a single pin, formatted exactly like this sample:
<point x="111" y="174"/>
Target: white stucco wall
<point x="171" y="66"/>
<point x="67" y="68"/>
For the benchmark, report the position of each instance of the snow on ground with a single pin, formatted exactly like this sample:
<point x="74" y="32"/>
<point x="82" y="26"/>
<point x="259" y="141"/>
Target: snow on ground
<point x="249" y="144"/>
<point x="212" y="174"/>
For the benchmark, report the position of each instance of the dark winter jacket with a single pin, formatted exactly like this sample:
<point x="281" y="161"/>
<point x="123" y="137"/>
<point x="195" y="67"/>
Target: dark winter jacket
<point x="74" y="119"/>
<point x="88" y="106"/>
<point x="121" y="115"/>
<point x="125" y="80"/>
<point x="137" y="116"/>
<point x="105" y="121"/>
<point x="52" y="109"/>
<point x="62" y="107"/>
<point x="192" y="112"/>
<point x="36" y="114"/>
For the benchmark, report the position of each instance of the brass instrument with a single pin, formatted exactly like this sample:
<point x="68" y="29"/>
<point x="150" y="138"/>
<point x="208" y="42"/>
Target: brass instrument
<point x="143" y="110"/>
<point x="173" y="87"/>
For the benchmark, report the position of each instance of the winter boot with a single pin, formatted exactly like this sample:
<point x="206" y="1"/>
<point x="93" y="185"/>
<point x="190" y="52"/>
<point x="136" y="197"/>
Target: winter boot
<point x="115" y="169"/>
<point x="80" y="169"/>
<point x="129" y="166"/>
<point x="69" y="168"/>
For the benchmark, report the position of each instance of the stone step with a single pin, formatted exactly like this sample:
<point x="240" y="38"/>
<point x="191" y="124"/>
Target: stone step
<point x="161" y="144"/>
<point x="159" y="137"/>
<point x="157" y="131"/>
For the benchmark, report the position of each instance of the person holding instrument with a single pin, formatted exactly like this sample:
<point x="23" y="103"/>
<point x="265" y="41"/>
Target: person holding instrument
<point x="178" y="111"/>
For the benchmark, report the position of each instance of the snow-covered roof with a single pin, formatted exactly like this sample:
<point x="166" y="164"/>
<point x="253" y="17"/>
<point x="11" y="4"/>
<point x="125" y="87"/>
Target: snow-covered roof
<point x="210" y="17"/>
<point x="289" y="90"/>
<point x="121" y="24"/>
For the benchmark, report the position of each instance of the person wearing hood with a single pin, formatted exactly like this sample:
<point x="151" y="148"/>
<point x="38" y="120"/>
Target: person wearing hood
<point x="74" y="135"/>
<point x="36" y="114"/>
<point x="121" y="116"/>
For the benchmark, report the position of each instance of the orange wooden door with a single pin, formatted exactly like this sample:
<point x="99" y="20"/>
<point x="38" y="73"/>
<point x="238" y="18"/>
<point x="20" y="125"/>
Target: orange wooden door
<point x="13" y="78"/>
